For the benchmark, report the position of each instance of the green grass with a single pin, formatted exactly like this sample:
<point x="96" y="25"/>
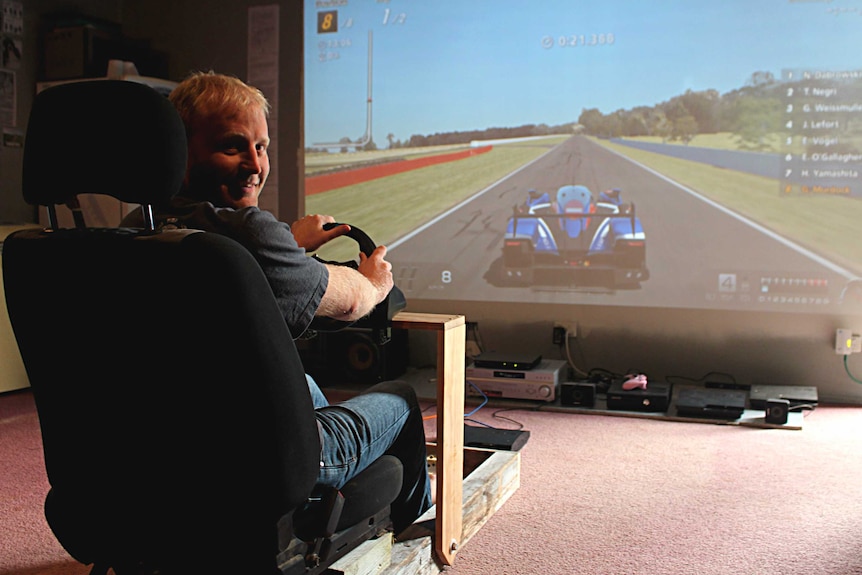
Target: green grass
<point x="825" y="224"/>
<point x="388" y="208"/>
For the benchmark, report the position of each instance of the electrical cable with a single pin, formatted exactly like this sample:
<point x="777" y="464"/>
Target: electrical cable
<point x="847" y="369"/>
<point x="466" y="415"/>
<point x="481" y="405"/>
<point x="571" y="361"/>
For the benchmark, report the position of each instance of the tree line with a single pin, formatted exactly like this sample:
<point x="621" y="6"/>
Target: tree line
<point x="751" y="113"/>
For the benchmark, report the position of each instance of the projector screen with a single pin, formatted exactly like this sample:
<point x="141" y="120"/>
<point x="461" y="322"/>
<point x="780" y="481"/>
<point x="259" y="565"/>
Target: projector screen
<point x="666" y="154"/>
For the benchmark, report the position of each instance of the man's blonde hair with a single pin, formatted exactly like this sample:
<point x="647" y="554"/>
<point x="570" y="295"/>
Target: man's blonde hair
<point x="202" y="94"/>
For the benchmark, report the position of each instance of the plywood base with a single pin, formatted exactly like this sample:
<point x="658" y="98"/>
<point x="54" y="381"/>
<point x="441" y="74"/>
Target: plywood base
<point x="497" y="475"/>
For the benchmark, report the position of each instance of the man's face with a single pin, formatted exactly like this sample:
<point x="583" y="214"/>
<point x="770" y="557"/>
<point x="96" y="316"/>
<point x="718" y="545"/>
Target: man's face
<point x="228" y="162"/>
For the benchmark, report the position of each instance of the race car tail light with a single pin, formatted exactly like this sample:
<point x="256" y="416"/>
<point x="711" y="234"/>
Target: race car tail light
<point x="517" y="253"/>
<point x="631" y="253"/>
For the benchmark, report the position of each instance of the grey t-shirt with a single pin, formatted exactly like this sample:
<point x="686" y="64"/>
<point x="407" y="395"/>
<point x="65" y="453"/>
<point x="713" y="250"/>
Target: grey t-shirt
<point x="298" y="281"/>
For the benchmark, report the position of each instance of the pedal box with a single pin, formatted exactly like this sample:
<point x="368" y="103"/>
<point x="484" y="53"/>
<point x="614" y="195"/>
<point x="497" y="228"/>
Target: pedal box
<point x="493" y="438"/>
<point x="655" y="398"/>
<point x="578" y="393"/>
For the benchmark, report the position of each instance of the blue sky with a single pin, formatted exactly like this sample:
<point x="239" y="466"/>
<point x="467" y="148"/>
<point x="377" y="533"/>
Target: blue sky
<point x="446" y="65"/>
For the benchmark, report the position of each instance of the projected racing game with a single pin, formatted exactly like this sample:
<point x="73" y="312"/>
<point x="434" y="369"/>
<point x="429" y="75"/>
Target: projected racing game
<point x="657" y="154"/>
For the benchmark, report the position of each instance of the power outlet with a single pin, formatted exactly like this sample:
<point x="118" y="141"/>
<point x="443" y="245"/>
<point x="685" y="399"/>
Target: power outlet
<point x="566" y="329"/>
<point x="847" y="342"/>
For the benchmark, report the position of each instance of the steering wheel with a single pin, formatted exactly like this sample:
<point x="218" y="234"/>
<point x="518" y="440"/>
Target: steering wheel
<point x="366" y="244"/>
<point x="380" y="317"/>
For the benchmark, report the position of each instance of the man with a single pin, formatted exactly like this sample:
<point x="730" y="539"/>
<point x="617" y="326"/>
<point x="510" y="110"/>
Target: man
<point x="226" y="126"/>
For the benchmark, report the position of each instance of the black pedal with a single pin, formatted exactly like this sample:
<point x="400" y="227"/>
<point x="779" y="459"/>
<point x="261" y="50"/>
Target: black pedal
<point x="493" y="438"/>
<point x="578" y="394"/>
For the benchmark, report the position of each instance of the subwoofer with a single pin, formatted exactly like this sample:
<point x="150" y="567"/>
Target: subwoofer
<point x="353" y="355"/>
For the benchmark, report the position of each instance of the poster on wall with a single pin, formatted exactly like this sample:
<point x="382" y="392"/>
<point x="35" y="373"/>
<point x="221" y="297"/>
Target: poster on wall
<point x="7" y="98"/>
<point x="12" y="14"/>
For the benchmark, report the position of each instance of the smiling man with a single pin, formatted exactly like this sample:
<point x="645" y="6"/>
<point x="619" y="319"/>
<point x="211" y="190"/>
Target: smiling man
<point x="226" y="127"/>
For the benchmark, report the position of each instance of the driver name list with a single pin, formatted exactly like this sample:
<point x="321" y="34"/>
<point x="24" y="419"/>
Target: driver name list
<point x="822" y="115"/>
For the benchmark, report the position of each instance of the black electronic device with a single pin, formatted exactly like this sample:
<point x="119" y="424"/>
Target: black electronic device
<point x="578" y="393"/>
<point x="715" y="384"/>
<point x="710" y="403"/>
<point x="654" y="398"/>
<point x="493" y="438"/>
<point x="777" y="411"/>
<point x="797" y="395"/>
<point x="498" y="360"/>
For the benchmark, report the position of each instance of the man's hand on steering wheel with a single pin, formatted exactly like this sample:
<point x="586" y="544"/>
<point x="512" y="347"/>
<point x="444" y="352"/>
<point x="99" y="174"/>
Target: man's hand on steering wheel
<point x="310" y="232"/>
<point x="378" y="271"/>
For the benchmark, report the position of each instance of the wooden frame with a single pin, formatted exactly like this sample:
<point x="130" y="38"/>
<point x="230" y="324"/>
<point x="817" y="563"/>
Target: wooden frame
<point x="451" y="335"/>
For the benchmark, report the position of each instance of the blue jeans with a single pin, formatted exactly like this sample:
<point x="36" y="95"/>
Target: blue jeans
<point x="385" y="419"/>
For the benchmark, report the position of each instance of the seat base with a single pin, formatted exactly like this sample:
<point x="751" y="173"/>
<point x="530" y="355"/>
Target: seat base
<point x="491" y="478"/>
<point x="301" y="558"/>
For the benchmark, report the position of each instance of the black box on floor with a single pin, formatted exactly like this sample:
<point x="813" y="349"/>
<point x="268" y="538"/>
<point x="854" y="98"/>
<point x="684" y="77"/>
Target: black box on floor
<point x="578" y="393"/>
<point x="493" y="438"/>
<point x="655" y="398"/>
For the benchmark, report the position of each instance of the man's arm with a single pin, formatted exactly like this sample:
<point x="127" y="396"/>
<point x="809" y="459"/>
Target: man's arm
<point x="352" y="294"/>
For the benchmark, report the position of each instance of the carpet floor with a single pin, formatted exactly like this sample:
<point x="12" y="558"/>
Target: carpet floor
<point x="599" y="495"/>
<point x="614" y="495"/>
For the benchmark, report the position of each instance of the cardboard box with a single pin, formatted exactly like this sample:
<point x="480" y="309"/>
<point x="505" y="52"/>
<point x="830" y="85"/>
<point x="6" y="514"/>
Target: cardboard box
<point x="79" y="52"/>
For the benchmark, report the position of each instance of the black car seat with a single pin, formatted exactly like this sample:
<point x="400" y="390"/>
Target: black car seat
<point x="178" y="431"/>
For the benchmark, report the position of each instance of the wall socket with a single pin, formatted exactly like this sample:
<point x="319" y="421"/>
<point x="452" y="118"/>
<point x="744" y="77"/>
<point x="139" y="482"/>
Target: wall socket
<point x="847" y="342"/>
<point x="562" y="331"/>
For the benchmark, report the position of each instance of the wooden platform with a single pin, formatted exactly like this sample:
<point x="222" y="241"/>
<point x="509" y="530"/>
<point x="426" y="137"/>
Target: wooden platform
<point x="491" y="478"/>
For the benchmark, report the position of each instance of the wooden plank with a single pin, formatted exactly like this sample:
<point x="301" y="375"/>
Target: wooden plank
<point x="370" y="558"/>
<point x="450" y="441"/>
<point x="486" y="488"/>
<point x="451" y="335"/>
<point x="750" y="417"/>
<point x="427" y="321"/>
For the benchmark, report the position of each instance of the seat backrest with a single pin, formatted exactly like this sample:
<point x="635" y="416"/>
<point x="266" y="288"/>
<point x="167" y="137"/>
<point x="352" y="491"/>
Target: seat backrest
<point x="176" y="422"/>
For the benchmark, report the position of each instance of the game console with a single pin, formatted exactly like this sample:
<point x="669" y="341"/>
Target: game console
<point x="541" y="383"/>
<point x="711" y="403"/>
<point x="655" y="397"/>
<point x="798" y="396"/>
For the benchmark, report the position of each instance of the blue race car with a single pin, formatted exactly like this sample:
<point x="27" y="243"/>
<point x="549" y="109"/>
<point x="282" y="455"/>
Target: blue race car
<point x="575" y="234"/>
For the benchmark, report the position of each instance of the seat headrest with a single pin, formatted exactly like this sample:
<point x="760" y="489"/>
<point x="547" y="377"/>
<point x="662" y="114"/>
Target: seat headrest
<point x="112" y="137"/>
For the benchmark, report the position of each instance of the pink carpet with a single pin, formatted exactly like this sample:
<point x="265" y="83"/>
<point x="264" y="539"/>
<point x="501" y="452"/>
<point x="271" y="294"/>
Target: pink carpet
<point x="613" y="495"/>
<point x="599" y="495"/>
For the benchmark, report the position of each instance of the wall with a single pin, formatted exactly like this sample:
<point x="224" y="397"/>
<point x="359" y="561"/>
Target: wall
<point x="197" y="35"/>
<point x="753" y="348"/>
<point x="205" y="35"/>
